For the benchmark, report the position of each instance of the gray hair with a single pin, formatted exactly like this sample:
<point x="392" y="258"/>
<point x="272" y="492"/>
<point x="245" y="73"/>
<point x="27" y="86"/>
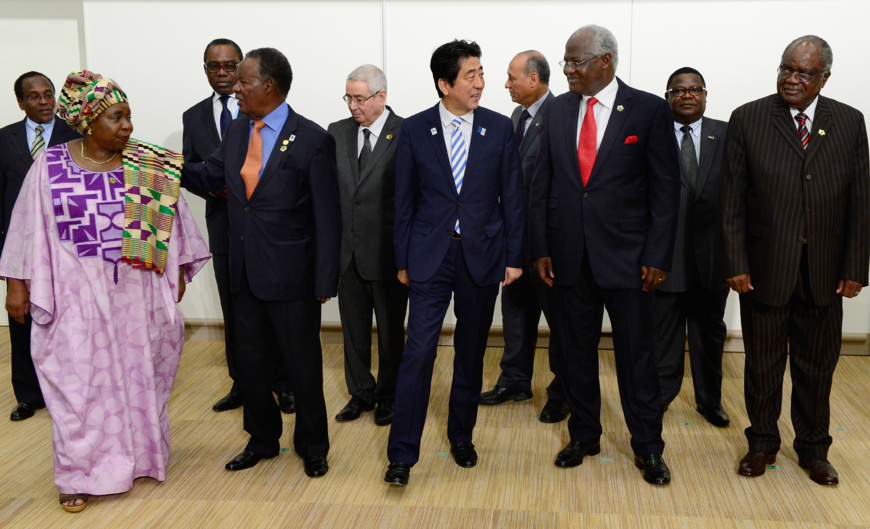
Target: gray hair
<point x="827" y="53"/>
<point x="536" y="62"/>
<point x="371" y="75"/>
<point x="603" y="42"/>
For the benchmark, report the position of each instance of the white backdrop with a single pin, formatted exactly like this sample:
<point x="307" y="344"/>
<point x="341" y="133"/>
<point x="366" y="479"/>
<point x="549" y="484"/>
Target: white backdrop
<point x="154" y="50"/>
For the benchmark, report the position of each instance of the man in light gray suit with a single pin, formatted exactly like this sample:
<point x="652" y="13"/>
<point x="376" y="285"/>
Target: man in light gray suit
<point x="523" y="300"/>
<point x="366" y="154"/>
<point x="694" y="293"/>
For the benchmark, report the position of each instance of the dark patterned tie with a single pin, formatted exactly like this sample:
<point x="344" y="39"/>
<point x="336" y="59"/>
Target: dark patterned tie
<point x="521" y="126"/>
<point x="226" y="116"/>
<point x="803" y="133"/>
<point x="365" y="154"/>
<point x="687" y="155"/>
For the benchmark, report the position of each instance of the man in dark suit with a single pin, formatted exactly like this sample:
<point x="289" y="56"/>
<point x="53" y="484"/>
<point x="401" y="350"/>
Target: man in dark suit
<point x="795" y="196"/>
<point x="205" y="123"/>
<point x="20" y="144"/>
<point x="694" y="294"/>
<point x="285" y="237"/>
<point x="366" y="160"/>
<point x="523" y="301"/>
<point x="459" y="231"/>
<point x="603" y="206"/>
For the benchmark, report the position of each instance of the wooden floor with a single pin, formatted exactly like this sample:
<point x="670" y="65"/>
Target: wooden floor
<point x="515" y="484"/>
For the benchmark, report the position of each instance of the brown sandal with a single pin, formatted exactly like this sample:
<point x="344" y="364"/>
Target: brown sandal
<point x="73" y="497"/>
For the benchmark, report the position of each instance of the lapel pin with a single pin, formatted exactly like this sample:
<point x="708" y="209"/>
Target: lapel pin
<point x="538" y="124"/>
<point x="481" y="131"/>
<point x="620" y="108"/>
<point x="283" y="148"/>
<point x="389" y="136"/>
<point x="292" y="137"/>
<point x="821" y="132"/>
<point x="433" y="130"/>
<point x="285" y="142"/>
<point x="711" y="137"/>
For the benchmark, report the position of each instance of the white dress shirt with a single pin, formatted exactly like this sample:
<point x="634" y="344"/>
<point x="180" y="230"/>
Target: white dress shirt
<point x="602" y="110"/>
<point x="30" y="130"/>
<point x="376" y="128"/>
<point x="447" y="126"/>
<point x="218" y="108"/>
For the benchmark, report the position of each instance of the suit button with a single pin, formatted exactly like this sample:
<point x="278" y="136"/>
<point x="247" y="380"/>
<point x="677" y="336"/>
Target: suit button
<point x="809" y="177"/>
<point x="356" y="203"/>
<point x="807" y="209"/>
<point x="585" y="194"/>
<point x="243" y="237"/>
<point x="247" y="209"/>
<point x="459" y="204"/>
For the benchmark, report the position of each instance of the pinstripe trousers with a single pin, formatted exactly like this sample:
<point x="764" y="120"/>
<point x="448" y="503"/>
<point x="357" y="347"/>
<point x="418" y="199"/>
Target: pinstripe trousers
<point x="811" y="336"/>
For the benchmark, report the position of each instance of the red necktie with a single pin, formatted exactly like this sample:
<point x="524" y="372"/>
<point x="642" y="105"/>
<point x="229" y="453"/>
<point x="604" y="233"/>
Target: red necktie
<point x="254" y="160"/>
<point x="588" y="140"/>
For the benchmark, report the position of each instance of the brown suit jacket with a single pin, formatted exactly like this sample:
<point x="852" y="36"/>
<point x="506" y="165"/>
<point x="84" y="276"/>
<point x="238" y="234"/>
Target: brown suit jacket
<point x="775" y="197"/>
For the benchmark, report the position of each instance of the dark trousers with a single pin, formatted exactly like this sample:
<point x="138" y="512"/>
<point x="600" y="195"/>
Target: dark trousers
<point x="24" y="381"/>
<point x="473" y="306"/>
<point x="357" y="298"/>
<point x="811" y="335"/>
<point x="578" y="310"/>
<point x="521" y="305"/>
<point x="221" y="263"/>
<point x="701" y="313"/>
<point x="296" y="328"/>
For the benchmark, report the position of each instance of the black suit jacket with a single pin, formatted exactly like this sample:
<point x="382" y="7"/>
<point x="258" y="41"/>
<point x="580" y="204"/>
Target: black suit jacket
<point x="698" y="221"/>
<point x="627" y="213"/>
<point x="367" y="207"/>
<point x="15" y="161"/>
<point x="286" y="237"/>
<point x="775" y="196"/>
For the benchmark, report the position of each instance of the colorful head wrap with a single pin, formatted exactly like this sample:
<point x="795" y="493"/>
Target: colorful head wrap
<point x="85" y="95"/>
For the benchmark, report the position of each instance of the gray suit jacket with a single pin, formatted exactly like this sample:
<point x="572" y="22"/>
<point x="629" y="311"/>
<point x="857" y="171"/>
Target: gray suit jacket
<point x="528" y="150"/>
<point x="697" y="224"/>
<point x="367" y="207"/>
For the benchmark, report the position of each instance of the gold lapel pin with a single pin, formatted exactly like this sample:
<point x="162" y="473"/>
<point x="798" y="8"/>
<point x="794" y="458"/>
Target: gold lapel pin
<point x="620" y="108"/>
<point x="283" y="148"/>
<point x="285" y="142"/>
<point x="389" y="136"/>
<point x="821" y="132"/>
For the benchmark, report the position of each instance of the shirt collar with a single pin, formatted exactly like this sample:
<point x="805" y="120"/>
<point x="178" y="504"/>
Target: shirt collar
<point x="276" y="118"/>
<point x="695" y="127"/>
<point x="378" y="125"/>
<point x="447" y="117"/>
<point x="607" y="95"/>
<point x="216" y="97"/>
<point x="533" y="109"/>
<point x="31" y="125"/>
<point x="810" y="111"/>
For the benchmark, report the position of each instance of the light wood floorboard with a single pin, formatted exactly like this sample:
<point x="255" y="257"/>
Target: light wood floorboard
<point x="515" y="484"/>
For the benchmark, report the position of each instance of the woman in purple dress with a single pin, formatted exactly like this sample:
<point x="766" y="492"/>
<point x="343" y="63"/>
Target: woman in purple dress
<point x="99" y="249"/>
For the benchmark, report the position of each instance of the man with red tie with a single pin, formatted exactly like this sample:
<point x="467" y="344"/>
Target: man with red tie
<point x="603" y="212"/>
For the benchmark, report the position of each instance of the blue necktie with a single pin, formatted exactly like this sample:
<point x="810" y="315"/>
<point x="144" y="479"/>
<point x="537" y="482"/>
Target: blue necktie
<point x="226" y="116"/>
<point x="457" y="159"/>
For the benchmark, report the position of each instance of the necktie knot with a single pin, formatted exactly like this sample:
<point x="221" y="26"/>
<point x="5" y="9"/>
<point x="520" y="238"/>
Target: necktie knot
<point x="525" y="115"/>
<point x="801" y="118"/>
<point x="39" y="129"/>
<point x="367" y="133"/>
<point x="224" y="100"/>
<point x="590" y="103"/>
<point x="259" y="124"/>
<point x="685" y="129"/>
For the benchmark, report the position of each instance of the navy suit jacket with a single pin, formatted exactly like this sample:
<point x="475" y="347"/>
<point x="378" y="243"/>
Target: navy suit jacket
<point x="287" y="236"/>
<point x="15" y="161"/>
<point x="489" y="207"/>
<point x="626" y="216"/>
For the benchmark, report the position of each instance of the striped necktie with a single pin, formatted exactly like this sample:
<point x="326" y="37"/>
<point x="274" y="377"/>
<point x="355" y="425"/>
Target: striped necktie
<point x="38" y="143"/>
<point x="803" y="133"/>
<point x="457" y="159"/>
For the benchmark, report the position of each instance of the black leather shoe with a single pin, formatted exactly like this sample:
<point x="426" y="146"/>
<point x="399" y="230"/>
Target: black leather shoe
<point x="498" y="394"/>
<point x="821" y="471"/>
<point x="287" y="403"/>
<point x="231" y="401"/>
<point x="25" y="410"/>
<point x="755" y="463"/>
<point x="574" y="452"/>
<point x="384" y="412"/>
<point x="715" y="415"/>
<point x="353" y="410"/>
<point x="464" y="454"/>
<point x="554" y="411"/>
<point x="655" y="470"/>
<point x="246" y="459"/>
<point x="315" y="466"/>
<point x="398" y="473"/>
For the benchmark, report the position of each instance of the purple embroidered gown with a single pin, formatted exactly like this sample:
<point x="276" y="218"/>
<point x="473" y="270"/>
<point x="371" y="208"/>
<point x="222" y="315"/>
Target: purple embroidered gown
<point x="106" y="351"/>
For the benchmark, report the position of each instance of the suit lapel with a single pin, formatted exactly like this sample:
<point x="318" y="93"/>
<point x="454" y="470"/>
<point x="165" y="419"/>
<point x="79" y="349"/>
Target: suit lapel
<point x="569" y="132"/>
<point x="786" y="125"/>
<point x="614" y="126"/>
<point x="351" y="142"/>
<point x="277" y="154"/>
<point x="208" y="124"/>
<point x="22" y="150"/>
<point x="821" y="121"/>
<point x="531" y="132"/>
<point x="708" y="147"/>
<point x="384" y="141"/>
<point x="439" y="145"/>
<point x="478" y="125"/>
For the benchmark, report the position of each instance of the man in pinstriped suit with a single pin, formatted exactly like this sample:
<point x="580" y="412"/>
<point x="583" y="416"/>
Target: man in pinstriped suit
<point x="794" y="198"/>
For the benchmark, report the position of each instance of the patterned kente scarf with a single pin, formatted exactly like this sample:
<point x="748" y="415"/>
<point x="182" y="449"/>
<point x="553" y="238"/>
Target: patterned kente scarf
<point x="151" y="184"/>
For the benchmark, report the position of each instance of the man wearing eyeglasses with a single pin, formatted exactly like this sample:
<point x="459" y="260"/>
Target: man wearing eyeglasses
<point x="795" y="197"/>
<point x="693" y="296"/>
<point x="603" y="213"/>
<point x="366" y="157"/>
<point x="204" y="127"/>
<point x="20" y="144"/>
